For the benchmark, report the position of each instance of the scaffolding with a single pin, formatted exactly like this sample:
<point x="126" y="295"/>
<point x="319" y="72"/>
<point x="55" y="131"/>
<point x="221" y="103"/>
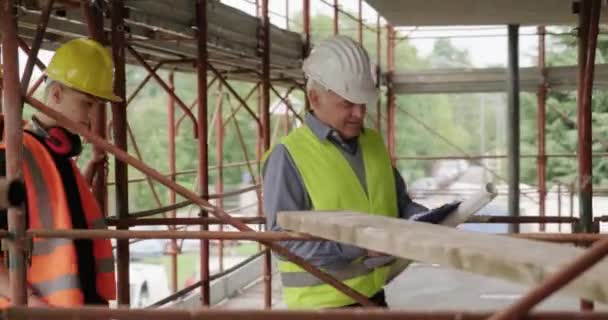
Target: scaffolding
<point x="220" y="44"/>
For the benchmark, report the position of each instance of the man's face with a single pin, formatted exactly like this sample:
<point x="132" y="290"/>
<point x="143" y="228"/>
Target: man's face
<point x="75" y="105"/>
<point x="340" y="114"/>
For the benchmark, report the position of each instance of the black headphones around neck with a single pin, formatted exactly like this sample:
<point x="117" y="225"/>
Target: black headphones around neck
<point x="58" y="139"/>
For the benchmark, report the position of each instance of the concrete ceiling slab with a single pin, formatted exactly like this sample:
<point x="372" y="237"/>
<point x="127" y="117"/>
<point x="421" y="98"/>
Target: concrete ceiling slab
<point x="476" y="12"/>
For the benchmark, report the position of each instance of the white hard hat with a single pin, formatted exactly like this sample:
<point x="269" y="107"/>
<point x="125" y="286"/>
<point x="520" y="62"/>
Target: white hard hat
<point x="342" y="65"/>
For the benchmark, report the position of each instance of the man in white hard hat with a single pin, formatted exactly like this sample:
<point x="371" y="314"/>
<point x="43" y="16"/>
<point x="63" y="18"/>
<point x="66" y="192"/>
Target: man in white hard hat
<point x="333" y="163"/>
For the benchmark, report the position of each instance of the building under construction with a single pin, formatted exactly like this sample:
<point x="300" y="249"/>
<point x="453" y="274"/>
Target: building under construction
<point x="223" y="45"/>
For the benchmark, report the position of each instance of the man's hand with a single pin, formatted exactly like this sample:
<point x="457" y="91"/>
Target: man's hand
<point x="98" y="161"/>
<point x="437" y="215"/>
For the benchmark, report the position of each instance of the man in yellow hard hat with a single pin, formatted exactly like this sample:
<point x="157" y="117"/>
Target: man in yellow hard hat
<point x="64" y="272"/>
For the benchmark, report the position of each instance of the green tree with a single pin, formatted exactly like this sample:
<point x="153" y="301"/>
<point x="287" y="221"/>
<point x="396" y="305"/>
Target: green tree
<point x="561" y="119"/>
<point x="451" y="115"/>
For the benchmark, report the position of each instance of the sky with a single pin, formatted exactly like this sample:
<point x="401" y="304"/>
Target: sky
<point x="485" y="51"/>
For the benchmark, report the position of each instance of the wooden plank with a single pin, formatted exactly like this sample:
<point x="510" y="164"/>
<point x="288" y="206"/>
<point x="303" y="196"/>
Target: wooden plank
<point x="465" y="210"/>
<point x="518" y="260"/>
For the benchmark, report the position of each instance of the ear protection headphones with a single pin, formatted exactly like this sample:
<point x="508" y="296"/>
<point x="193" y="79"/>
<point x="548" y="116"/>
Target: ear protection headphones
<point x="59" y="140"/>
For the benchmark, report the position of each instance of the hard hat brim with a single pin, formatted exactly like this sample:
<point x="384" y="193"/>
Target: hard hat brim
<point x="112" y="98"/>
<point x="105" y="96"/>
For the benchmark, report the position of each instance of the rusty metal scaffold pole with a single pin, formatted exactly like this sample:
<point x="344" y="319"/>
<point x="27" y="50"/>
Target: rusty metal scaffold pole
<point x="13" y="137"/>
<point x="360" y="21"/>
<point x="219" y="314"/>
<point x="172" y="168"/>
<point x="36" y="43"/>
<point x="379" y="73"/>
<point x="202" y="128"/>
<point x="336" y="19"/>
<point x="119" y="120"/>
<point x="265" y="117"/>
<point x="219" y="160"/>
<point x="541" y="124"/>
<point x="390" y="95"/>
<point x="588" y="31"/>
<point x="95" y="24"/>
<point x="513" y="130"/>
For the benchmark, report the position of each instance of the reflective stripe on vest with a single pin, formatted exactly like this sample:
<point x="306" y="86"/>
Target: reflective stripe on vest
<point x="332" y="184"/>
<point x="342" y="273"/>
<point x="46" y="246"/>
<point x="61" y="283"/>
<point x="49" y="282"/>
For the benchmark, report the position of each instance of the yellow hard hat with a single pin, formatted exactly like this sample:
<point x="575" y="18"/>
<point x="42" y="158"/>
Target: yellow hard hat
<point x="84" y="65"/>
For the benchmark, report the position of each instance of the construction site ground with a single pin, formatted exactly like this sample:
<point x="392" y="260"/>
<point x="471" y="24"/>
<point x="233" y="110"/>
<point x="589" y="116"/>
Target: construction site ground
<point x="427" y="287"/>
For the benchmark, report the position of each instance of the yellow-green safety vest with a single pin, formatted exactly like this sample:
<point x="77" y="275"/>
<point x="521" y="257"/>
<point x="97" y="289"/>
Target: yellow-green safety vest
<point x="332" y="184"/>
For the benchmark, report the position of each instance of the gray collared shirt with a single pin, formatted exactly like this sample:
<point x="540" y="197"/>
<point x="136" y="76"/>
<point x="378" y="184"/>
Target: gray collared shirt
<point x="285" y="191"/>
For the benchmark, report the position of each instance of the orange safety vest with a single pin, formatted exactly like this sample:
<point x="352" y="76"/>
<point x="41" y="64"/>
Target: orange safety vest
<point x="53" y="271"/>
